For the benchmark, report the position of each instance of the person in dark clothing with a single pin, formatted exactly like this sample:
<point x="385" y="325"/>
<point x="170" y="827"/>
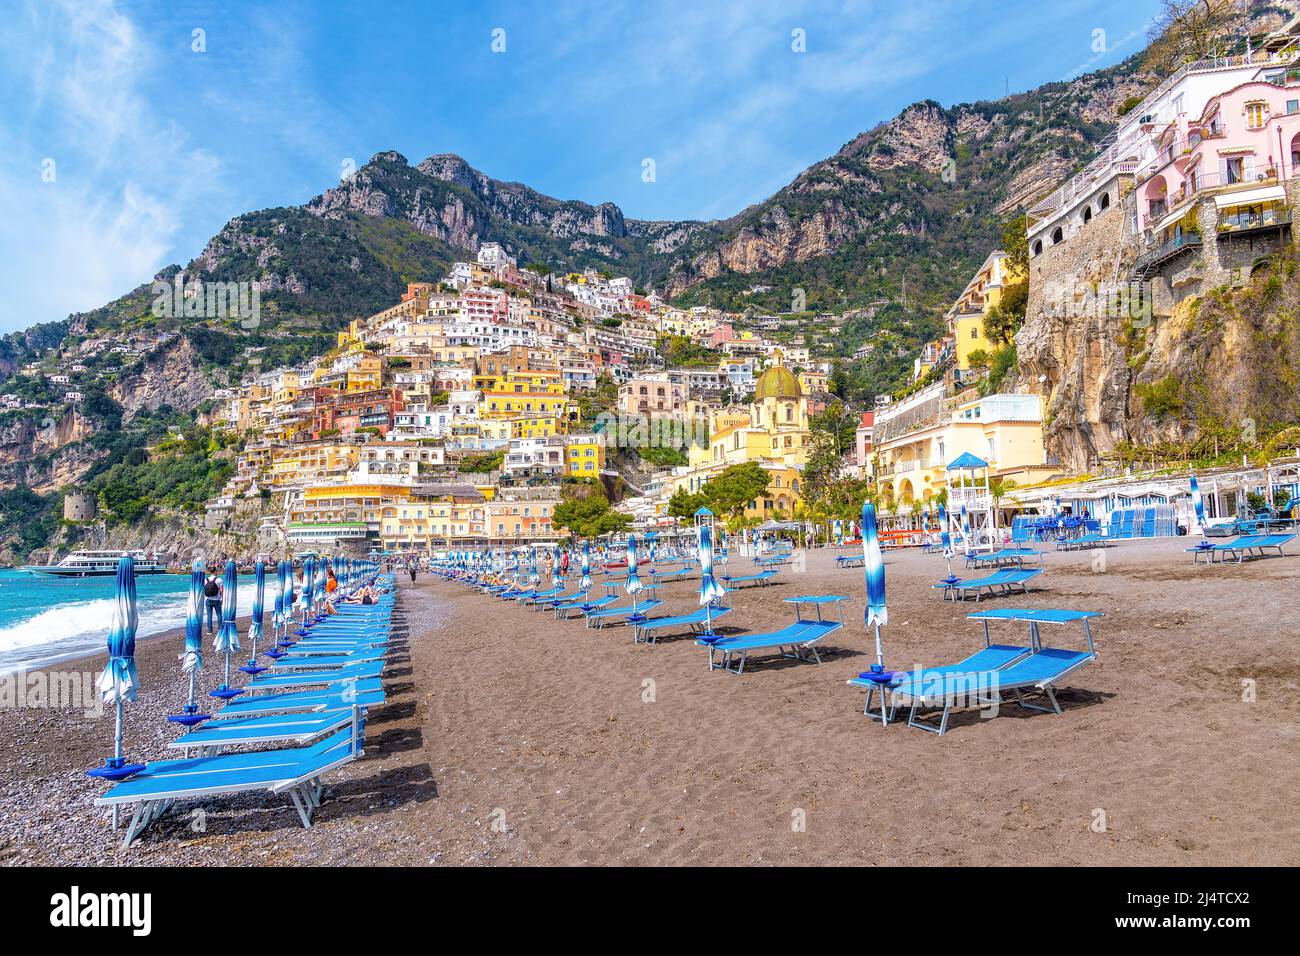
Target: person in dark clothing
<point x="212" y="591"/>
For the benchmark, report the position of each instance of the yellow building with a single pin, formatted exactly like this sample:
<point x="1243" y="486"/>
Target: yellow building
<point x="981" y="295"/>
<point x="915" y="442"/>
<point x="524" y="393"/>
<point x="311" y="462"/>
<point x="773" y="431"/>
<point x="584" y="455"/>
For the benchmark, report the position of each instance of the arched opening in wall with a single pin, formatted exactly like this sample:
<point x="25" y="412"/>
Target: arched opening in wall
<point x="1104" y="202"/>
<point x="1057" y="235"/>
<point x="1038" y="247"/>
<point x="1260" y="265"/>
<point x="1156" y="193"/>
<point x="1087" y="214"/>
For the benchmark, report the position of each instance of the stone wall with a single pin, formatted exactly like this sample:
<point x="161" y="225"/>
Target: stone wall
<point x="1070" y="350"/>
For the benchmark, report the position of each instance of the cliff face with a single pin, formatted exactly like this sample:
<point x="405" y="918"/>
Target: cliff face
<point x="1111" y="373"/>
<point x="170" y="376"/>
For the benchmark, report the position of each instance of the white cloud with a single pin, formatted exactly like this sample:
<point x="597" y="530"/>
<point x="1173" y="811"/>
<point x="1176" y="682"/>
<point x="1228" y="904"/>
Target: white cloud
<point x="123" y="176"/>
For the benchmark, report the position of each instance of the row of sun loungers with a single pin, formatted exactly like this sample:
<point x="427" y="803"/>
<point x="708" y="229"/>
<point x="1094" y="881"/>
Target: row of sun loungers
<point x="308" y="708"/>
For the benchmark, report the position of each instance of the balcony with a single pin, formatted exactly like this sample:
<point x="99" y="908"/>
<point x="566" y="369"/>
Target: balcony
<point x="1251" y="221"/>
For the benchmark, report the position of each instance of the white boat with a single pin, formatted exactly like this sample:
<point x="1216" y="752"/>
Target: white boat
<point x="85" y="564"/>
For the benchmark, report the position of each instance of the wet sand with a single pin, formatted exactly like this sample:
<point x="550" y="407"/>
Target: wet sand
<point x="510" y="738"/>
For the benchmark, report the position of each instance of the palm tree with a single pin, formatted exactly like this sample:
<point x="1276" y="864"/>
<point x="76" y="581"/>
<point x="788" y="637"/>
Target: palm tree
<point x="998" y="487"/>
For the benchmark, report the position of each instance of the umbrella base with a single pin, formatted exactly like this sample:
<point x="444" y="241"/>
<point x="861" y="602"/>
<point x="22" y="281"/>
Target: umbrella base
<point x="274" y="653"/>
<point x="252" y="668"/>
<point x="225" y="693"/>
<point x="189" y="719"/>
<point x="115" y="768"/>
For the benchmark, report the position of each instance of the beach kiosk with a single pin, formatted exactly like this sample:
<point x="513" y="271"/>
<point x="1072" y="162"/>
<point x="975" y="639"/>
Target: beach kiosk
<point x="967" y="481"/>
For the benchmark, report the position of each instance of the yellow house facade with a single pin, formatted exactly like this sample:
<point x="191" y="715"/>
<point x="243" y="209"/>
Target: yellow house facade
<point x="981" y="295"/>
<point x="1004" y="430"/>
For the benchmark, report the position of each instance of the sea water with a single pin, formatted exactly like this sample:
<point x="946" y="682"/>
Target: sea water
<point x="44" y="619"/>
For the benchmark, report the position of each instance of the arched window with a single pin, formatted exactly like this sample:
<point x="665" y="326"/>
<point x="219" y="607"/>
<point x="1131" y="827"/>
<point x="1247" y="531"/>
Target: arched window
<point x="1104" y="202"/>
<point x="1038" y="247"/>
<point x="1087" y="214"/>
<point x="1057" y="235"/>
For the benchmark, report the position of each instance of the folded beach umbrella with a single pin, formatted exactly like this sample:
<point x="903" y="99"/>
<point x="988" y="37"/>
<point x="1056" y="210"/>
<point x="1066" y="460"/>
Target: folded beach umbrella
<point x="308" y="588"/>
<point x="320" y="592"/>
<point x="710" y="589"/>
<point x="1199" y="505"/>
<point x="945" y="539"/>
<point x="839" y="533"/>
<point x="585" y="583"/>
<point x="192" y="657"/>
<point x="873" y="563"/>
<point x="255" y="626"/>
<point x="633" y="585"/>
<point x="227" y="639"/>
<point x="965" y="527"/>
<point x="290" y="595"/>
<point x="556" y="582"/>
<point x="119" y="682"/>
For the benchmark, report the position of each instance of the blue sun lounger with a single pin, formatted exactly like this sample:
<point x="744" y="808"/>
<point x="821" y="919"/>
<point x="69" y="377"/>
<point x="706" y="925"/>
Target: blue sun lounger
<point x="627" y="611"/>
<point x="365" y="692"/>
<point x="315" y="678"/>
<point x="694" y="623"/>
<point x="1006" y="556"/>
<point x="294" y="728"/>
<point x="1092" y="539"/>
<point x="1237" y="547"/>
<point x="849" y="561"/>
<point x="583" y="605"/>
<point x="1243" y="549"/>
<point x="759" y="580"/>
<point x="1005" y="580"/>
<point x="796" y="642"/>
<point x="295" y="771"/>
<point x="1036" y="673"/>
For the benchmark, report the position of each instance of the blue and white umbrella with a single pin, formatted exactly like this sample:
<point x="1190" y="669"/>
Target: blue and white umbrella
<point x="227" y="639"/>
<point x="255" y="626"/>
<point x="873" y="564"/>
<point x="965" y="528"/>
<point x="633" y="585"/>
<point x="1199" y="505"/>
<point x="320" y="593"/>
<point x="119" y="682"/>
<point x="192" y="657"/>
<point x="308" y="586"/>
<point x="654" y="553"/>
<point x="839" y="533"/>
<point x="585" y="583"/>
<point x="290" y="596"/>
<point x="556" y="581"/>
<point x="710" y="589"/>
<point x="945" y="539"/>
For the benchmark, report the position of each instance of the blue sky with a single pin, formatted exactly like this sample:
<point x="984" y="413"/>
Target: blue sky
<point x="122" y="149"/>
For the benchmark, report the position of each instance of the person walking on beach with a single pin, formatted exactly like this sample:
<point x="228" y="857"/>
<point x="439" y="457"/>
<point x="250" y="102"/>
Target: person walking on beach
<point x="411" y="567"/>
<point x="212" y="590"/>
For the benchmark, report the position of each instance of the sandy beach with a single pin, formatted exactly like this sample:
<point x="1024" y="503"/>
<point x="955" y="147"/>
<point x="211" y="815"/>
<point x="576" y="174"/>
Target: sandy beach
<point x="510" y="738"/>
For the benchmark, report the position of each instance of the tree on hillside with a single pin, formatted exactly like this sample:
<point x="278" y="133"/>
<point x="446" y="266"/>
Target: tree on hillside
<point x="683" y="504"/>
<point x="588" y="515"/>
<point x="731" y="491"/>
<point x="1187" y="30"/>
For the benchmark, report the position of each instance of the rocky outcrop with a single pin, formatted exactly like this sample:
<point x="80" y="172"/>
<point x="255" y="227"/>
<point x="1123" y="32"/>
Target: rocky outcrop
<point x="171" y="376"/>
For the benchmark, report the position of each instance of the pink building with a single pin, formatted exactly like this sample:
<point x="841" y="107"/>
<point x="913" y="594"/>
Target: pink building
<point x="1248" y="136"/>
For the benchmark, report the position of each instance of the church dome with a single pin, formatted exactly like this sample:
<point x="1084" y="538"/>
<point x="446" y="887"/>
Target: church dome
<point x="777" y="382"/>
